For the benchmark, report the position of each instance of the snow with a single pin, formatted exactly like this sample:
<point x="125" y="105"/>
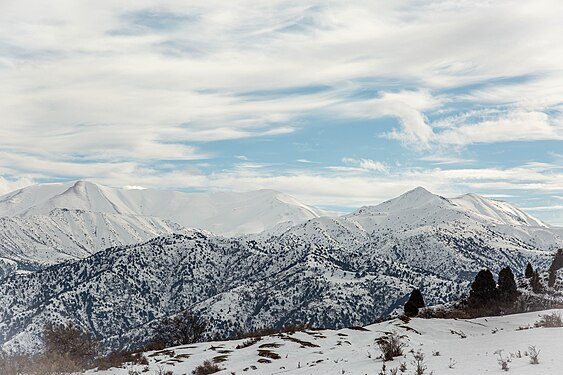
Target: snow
<point x="502" y="212"/>
<point x="65" y="234"/>
<point x="352" y="351"/>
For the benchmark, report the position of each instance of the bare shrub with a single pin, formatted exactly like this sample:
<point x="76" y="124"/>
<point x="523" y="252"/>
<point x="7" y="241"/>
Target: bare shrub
<point x="503" y="362"/>
<point x="208" y="367"/>
<point x="403" y="366"/>
<point x="119" y="358"/>
<point x="550" y="320"/>
<point x="534" y="355"/>
<point x="161" y="371"/>
<point x="246" y="343"/>
<point x="391" y="346"/>
<point x="67" y="347"/>
<point x="418" y="363"/>
<point x="184" y="328"/>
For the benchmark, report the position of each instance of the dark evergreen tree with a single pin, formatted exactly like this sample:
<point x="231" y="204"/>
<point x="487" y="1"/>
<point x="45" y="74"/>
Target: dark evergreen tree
<point x="410" y="309"/>
<point x="529" y="271"/>
<point x="507" y="290"/>
<point x="483" y="290"/>
<point x="415" y="302"/>
<point x="555" y="265"/>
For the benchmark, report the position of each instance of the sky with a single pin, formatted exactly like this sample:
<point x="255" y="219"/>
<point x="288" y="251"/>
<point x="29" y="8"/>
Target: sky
<point x="338" y="103"/>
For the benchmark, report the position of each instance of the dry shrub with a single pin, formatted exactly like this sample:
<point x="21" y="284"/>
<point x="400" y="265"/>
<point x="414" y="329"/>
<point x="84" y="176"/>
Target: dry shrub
<point x="552" y="320"/>
<point x="391" y="346"/>
<point x="119" y="358"/>
<point x="208" y="367"/>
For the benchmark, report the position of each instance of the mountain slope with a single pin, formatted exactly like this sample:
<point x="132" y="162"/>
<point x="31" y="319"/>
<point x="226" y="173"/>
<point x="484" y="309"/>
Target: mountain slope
<point x="240" y="285"/>
<point x="65" y="234"/>
<point x="222" y="213"/>
<point x="436" y="234"/>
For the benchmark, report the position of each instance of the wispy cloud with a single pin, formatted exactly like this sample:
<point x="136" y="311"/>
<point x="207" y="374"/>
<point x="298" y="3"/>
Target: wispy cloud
<point x="135" y="93"/>
<point x="367" y="164"/>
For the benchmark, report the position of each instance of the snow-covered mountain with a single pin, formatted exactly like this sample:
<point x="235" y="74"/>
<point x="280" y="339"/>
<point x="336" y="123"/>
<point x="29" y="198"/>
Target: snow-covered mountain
<point x="224" y="213"/>
<point x="329" y="271"/>
<point x="445" y="236"/>
<point x="48" y="223"/>
<point x="238" y="284"/>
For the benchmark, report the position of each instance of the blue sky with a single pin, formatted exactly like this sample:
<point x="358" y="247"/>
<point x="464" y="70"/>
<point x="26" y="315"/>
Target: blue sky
<point x="338" y="103"/>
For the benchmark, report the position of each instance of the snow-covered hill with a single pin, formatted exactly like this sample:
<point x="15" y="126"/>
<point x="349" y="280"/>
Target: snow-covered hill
<point x="223" y="213"/>
<point x="462" y="347"/>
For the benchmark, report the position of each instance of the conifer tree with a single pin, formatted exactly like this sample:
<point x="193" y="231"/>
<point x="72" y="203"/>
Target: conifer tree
<point x="507" y="290"/>
<point x="415" y="302"/>
<point x="536" y="284"/>
<point x="483" y="290"/>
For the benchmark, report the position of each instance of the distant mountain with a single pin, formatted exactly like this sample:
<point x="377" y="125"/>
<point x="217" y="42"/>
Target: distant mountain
<point x="330" y="271"/>
<point x="48" y="223"/>
<point x="223" y="213"/>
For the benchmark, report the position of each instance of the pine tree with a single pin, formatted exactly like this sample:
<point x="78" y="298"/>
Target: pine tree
<point x="555" y="265"/>
<point x="529" y="271"/>
<point x="410" y="309"/>
<point x="507" y="290"/>
<point x="415" y="302"/>
<point x="483" y="290"/>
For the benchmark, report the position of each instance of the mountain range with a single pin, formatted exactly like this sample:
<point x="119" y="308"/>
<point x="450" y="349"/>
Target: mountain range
<point x="330" y="271"/>
<point x="45" y="224"/>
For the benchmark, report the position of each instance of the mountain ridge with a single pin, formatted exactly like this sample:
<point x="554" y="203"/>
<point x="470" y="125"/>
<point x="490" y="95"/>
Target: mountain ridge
<point x="224" y="213"/>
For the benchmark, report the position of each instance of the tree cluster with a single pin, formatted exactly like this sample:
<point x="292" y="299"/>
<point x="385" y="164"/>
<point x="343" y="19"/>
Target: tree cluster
<point x="486" y="294"/>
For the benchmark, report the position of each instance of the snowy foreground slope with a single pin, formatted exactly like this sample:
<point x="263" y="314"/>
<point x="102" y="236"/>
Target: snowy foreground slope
<point x="465" y="347"/>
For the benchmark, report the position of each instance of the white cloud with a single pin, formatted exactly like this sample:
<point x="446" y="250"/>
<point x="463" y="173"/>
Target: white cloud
<point x="518" y="126"/>
<point x="367" y="164"/>
<point x="85" y="93"/>
<point x="446" y="160"/>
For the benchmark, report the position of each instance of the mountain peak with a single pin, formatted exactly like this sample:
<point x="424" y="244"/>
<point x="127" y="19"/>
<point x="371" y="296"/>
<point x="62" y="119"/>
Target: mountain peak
<point x="415" y="197"/>
<point x="417" y="191"/>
